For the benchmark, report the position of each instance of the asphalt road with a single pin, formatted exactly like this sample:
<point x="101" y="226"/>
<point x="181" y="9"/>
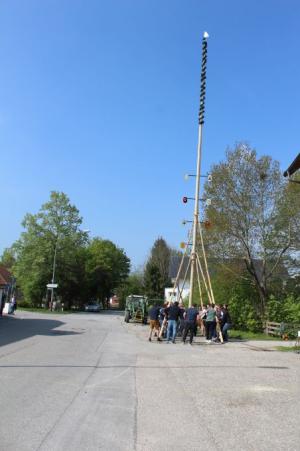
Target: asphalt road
<point x="91" y="382"/>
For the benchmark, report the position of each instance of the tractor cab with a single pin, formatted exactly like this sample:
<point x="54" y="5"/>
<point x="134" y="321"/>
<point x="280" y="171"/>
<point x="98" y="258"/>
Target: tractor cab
<point x="136" y="308"/>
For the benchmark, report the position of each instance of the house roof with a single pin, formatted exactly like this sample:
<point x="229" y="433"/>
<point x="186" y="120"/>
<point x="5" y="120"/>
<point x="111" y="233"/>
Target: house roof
<point x="174" y="266"/>
<point x="293" y="167"/>
<point x="5" y="276"/>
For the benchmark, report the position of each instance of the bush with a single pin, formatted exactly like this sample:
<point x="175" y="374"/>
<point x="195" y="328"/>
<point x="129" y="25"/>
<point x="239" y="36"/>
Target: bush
<point x="243" y="314"/>
<point x="24" y="303"/>
<point x="284" y="310"/>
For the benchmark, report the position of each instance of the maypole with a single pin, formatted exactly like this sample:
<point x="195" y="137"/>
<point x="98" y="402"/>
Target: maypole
<point x="195" y="241"/>
<point x="198" y="173"/>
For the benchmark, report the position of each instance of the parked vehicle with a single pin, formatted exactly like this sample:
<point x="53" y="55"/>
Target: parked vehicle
<point x="136" y="308"/>
<point x="92" y="307"/>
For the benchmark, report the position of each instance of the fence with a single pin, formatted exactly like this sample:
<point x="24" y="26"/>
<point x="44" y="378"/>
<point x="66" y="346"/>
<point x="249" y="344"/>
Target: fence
<point x="272" y="328"/>
<point x="282" y="329"/>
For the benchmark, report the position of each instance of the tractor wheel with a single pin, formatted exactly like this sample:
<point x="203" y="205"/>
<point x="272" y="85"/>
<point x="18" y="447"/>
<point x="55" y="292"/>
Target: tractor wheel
<point x="127" y="316"/>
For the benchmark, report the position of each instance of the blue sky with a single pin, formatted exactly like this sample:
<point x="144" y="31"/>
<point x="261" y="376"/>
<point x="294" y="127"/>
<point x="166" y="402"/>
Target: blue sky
<point x="99" y="99"/>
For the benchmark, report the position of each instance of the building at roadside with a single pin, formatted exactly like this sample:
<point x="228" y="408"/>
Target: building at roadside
<point x="6" y="286"/>
<point x="294" y="167"/>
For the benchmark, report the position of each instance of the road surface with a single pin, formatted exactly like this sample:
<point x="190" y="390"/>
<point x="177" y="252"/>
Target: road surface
<point x="91" y="382"/>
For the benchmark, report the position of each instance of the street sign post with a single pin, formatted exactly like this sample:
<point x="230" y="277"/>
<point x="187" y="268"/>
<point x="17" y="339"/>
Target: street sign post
<point x="52" y="285"/>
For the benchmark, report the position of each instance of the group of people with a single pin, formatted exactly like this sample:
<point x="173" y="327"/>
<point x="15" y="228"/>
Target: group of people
<point x="173" y="319"/>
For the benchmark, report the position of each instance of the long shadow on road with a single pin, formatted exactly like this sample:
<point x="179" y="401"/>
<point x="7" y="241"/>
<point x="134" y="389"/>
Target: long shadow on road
<point x="16" y="329"/>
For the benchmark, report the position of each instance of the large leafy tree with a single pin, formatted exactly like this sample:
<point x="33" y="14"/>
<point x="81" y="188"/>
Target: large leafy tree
<point x="8" y="258"/>
<point x="255" y="216"/>
<point x="134" y="284"/>
<point x="52" y="240"/>
<point x="107" y="266"/>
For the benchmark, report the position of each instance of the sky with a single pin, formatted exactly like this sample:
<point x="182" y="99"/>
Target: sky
<point x="99" y="99"/>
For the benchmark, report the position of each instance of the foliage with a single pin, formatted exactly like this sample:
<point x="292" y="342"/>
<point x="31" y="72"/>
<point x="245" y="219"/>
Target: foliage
<point x="255" y="216"/>
<point x="156" y="274"/>
<point x="284" y="310"/>
<point x="246" y="335"/>
<point x="51" y="234"/>
<point x="233" y="286"/>
<point x="154" y="287"/>
<point x="132" y="285"/>
<point x="53" y="248"/>
<point x="243" y="314"/>
<point x="8" y="258"/>
<point x="288" y="348"/>
<point x="106" y="268"/>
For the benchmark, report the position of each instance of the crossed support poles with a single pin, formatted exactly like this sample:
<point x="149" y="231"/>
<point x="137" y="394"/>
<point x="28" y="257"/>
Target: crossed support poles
<point x="197" y="259"/>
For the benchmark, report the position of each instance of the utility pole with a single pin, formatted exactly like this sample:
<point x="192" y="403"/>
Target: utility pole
<point x="53" y="274"/>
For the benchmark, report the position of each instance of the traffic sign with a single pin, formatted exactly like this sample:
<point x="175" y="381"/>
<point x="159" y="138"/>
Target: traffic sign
<point x="52" y="285"/>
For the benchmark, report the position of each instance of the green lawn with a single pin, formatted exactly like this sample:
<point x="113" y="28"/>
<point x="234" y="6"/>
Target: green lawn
<point x="245" y="335"/>
<point x="288" y="348"/>
<point x="43" y="310"/>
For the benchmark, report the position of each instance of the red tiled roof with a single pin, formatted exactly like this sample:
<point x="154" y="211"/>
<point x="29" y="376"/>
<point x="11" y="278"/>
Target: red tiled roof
<point x="5" y="276"/>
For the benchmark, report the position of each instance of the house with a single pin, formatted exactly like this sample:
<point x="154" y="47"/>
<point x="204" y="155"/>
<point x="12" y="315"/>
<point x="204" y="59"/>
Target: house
<point x="183" y="286"/>
<point x="294" y="166"/>
<point x="6" y="285"/>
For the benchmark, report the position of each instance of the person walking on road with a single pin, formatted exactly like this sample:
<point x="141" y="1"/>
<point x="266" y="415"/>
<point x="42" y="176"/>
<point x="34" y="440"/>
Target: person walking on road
<point x="154" y="321"/>
<point x="173" y="314"/>
<point x="191" y="316"/>
<point x="13" y="304"/>
<point x="181" y="322"/>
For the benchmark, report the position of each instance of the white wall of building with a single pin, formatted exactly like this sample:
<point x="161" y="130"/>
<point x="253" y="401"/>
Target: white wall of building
<point x="173" y="295"/>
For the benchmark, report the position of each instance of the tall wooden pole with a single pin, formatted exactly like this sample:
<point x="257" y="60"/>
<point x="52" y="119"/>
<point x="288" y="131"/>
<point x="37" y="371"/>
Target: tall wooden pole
<point x="199" y="151"/>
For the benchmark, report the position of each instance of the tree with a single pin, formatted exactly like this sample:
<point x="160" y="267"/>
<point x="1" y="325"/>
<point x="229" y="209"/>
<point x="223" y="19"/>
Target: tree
<point x="255" y="218"/>
<point x="132" y="285"/>
<point x="52" y="240"/>
<point x="107" y="266"/>
<point x="8" y="258"/>
<point x="153" y="282"/>
<point x="156" y="275"/>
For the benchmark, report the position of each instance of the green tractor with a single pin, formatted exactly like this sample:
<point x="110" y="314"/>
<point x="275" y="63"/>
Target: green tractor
<point x="136" y="308"/>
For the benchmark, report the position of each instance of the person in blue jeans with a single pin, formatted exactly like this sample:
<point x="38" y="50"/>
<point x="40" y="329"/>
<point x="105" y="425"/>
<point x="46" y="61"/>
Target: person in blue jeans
<point x="225" y="322"/>
<point x="173" y="314"/>
<point x="210" y="322"/>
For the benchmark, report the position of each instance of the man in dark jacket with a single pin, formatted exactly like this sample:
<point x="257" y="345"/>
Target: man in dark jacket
<point x="191" y="316"/>
<point x="225" y="322"/>
<point x="173" y="314"/>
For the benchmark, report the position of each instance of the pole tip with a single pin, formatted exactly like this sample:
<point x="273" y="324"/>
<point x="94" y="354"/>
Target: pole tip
<point x="205" y="35"/>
